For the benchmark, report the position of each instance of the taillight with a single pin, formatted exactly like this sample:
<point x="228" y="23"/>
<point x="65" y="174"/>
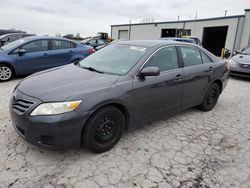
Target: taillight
<point x="91" y="51"/>
<point x="226" y="67"/>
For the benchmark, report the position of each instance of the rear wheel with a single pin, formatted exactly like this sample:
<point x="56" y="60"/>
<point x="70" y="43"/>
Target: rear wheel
<point x="6" y="72"/>
<point x="210" y="98"/>
<point x="104" y="129"/>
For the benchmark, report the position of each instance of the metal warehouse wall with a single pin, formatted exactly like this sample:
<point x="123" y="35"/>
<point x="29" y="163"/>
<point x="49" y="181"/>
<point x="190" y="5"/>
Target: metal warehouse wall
<point x="245" y="40"/>
<point x="237" y="35"/>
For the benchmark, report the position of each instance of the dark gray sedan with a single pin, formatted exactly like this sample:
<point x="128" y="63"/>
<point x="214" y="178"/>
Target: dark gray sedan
<point x="240" y="64"/>
<point x="124" y="84"/>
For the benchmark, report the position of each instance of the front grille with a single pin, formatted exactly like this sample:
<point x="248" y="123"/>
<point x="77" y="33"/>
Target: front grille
<point x="21" y="105"/>
<point x="244" y="66"/>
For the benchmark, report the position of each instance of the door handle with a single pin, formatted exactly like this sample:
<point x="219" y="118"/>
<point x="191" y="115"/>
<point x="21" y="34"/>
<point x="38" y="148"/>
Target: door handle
<point x="45" y="54"/>
<point x="178" y="77"/>
<point x="210" y="69"/>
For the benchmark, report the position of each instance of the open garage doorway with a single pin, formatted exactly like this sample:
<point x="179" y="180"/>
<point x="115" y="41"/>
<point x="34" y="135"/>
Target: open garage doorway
<point x="214" y="39"/>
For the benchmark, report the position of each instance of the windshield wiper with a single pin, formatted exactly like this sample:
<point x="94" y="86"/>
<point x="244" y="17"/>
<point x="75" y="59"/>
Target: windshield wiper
<point x="93" y="69"/>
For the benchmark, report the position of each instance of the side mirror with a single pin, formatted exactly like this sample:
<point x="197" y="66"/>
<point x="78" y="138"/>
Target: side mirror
<point x="21" y="52"/>
<point x="150" y="71"/>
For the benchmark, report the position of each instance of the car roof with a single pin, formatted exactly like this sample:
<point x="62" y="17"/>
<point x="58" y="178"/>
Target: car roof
<point x="152" y="43"/>
<point x="46" y="37"/>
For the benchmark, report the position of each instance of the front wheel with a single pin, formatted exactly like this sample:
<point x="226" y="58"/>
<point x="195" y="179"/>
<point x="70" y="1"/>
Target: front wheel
<point x="104" y="129"/>
<point x="6" y="73"/>
<point x="210" y="98"/>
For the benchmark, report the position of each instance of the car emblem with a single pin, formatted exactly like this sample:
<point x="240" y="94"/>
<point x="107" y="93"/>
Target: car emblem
<point x="14" y="95"/>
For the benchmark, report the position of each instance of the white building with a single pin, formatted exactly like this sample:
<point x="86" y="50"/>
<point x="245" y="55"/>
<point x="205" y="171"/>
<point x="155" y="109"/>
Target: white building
<point x="231" y="32"/>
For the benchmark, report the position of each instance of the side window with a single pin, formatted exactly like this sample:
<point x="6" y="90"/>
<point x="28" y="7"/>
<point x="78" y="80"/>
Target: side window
<point x="60" y="44"/>
<point x="165" y="59"/>
<point x="36" y="46"/>
<point x="191" y="56"/>
<point x="205" y="58"/>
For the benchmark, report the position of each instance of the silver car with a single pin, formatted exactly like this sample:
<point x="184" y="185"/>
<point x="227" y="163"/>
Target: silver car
<point x="240" y="64"/>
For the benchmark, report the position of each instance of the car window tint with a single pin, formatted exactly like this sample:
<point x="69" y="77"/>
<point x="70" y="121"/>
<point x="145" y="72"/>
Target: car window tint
<point x="101" y="42"/>
<point x="205" y="58"/>
<point x="165" y="59"/>
<point x="60" y="44"/>
<point x="191" y="56"/>
<point x="36" y="46"/>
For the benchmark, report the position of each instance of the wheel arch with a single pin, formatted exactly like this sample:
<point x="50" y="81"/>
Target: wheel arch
<point x="9" y="65"/>
<point x="115" y="104"/>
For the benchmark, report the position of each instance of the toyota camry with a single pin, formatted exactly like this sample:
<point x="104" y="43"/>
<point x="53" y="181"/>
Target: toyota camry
<point x="129" y="83"/>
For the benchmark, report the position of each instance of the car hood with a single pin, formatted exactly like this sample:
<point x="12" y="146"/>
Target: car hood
<point x="240" y="58"/>
<point x="65" y="83"/>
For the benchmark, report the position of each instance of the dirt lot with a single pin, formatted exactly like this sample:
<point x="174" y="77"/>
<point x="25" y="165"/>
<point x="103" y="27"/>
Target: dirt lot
<point x="191" y="149"/>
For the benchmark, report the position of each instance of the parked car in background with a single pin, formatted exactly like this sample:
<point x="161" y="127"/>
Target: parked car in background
<point x="240" y="64"/>
<point x="192" y="41"/>
<point x="10" y="37"/>
<point x="196" y="39"/>
<point x="94" y="42"/>
<point x="36" y="53"/>
<point x="124" y="84"/>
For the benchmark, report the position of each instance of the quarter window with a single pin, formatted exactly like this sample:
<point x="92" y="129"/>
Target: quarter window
<point x="191" y="56"/>
<point x="36" y="46"/>
<point x="60" y="44"/>
<point x="165" y="59"/>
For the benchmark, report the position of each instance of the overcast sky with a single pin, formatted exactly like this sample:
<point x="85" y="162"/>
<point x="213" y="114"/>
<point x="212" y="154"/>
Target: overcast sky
<point x="91" y="16"/>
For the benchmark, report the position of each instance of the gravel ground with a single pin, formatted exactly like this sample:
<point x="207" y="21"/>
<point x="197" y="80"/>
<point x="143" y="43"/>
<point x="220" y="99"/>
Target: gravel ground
<point x="191" y="149"/>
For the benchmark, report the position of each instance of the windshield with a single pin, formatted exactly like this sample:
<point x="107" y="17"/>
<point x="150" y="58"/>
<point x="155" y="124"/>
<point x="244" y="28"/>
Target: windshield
<point x="114" y="59"/>
<point x="246" y="51"/>
<point x="14" y="44"/>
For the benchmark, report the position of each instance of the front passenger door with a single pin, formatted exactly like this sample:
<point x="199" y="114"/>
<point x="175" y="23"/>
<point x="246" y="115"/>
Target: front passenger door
<point x="34" y="59"/>
<point x="157" y="95"/>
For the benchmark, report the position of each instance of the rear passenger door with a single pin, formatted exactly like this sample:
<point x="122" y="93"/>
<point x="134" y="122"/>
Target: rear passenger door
<point x="155" y="96"/>
<point x="198" y="68"/>
<point x="61" y="52"/>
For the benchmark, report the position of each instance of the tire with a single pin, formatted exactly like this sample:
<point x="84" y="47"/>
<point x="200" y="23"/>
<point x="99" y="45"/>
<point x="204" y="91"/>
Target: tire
<point x="103" y="130"/>
<point x="6" y="73"/>
<point x="211" y="98"/>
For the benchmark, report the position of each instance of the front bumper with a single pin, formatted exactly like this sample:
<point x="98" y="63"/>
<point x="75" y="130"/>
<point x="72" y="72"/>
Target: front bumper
<point x="49" y="132"/>
<point x="238" y="71"/>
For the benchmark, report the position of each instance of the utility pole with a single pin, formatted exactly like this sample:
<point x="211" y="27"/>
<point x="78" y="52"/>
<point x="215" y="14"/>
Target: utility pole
<point x="178" y="18"/>
<point x="225" y="13"/>
<point x="196" y="15"/>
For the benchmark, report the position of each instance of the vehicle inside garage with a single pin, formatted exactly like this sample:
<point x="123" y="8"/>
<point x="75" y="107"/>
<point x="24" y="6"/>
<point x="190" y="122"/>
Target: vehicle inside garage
<point x="214" y="39"/>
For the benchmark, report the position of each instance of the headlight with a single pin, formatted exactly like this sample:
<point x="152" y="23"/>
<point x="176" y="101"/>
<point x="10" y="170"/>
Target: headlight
<point x="232" y="63"/>
<point x="55" y="108"/>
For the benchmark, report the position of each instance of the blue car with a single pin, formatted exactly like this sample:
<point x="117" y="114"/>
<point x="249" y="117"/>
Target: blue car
<point x="37" y="53"/>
